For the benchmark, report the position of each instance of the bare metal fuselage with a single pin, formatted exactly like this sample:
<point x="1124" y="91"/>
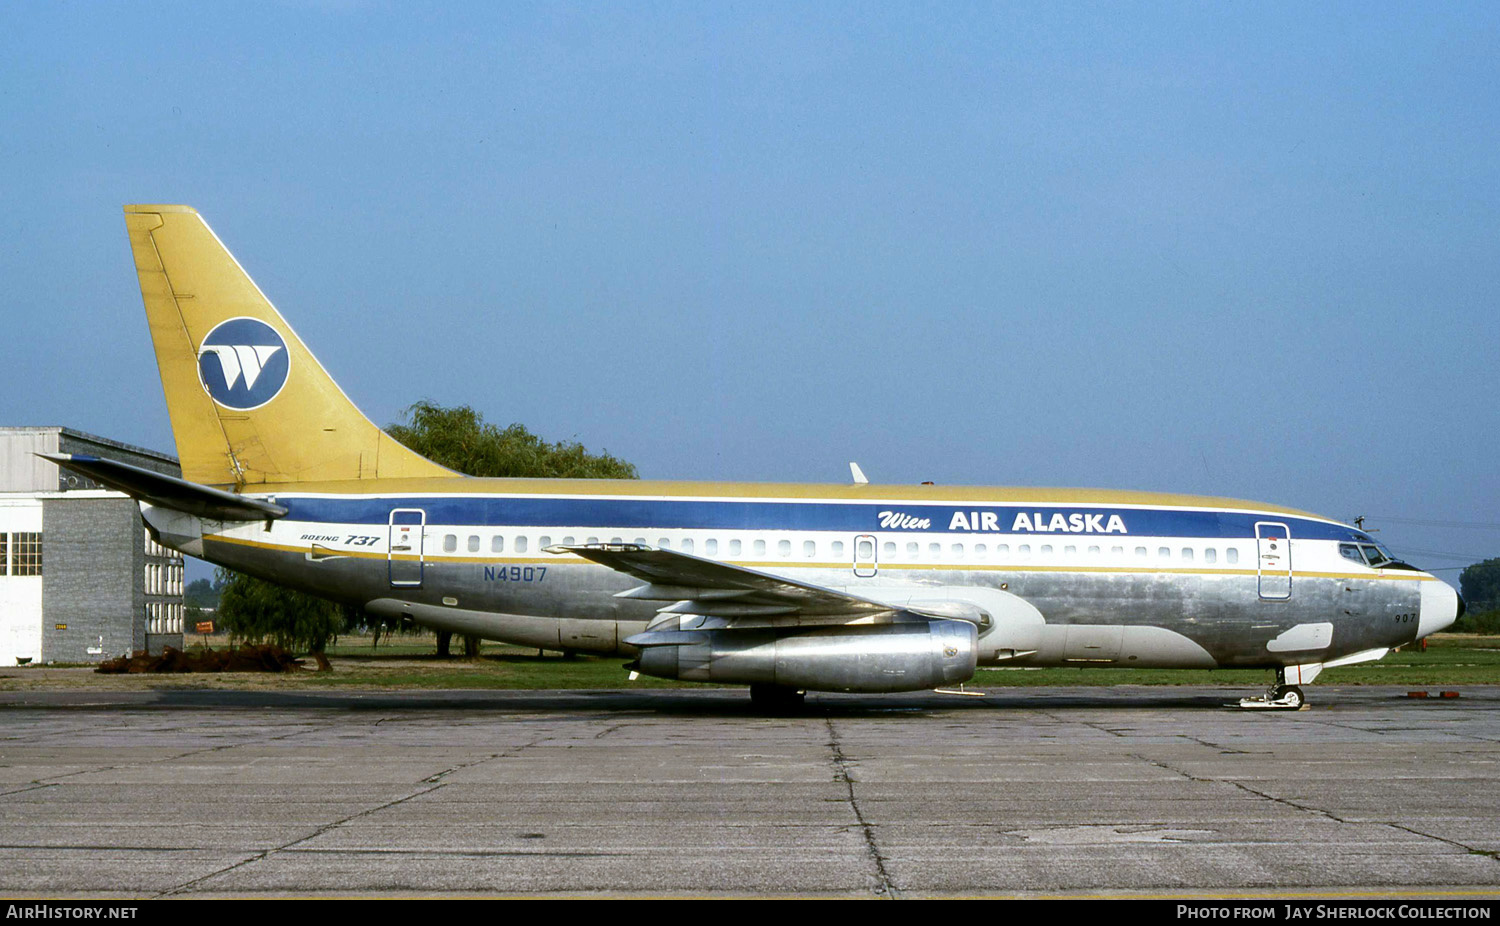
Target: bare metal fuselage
<point x="1213" y="595"/>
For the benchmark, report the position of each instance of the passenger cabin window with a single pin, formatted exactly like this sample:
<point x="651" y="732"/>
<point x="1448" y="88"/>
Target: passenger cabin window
<point x="864" y="550"/>
<point x="1232" y="555"/>
<point x="888" y="549"/>
<point x="497" y="544"/>
<point x="838" y="549"/>
<point x="760" y="548"/>
<point x="687" y="545"/>
<point x="473" y="543"/>
<point x="783" y="548"/>
<point x="450" y="543"/>
<point x="913" y="550"/>
<point x="809" y="549"/>
<point x="1210" y="555"/>
<point x="521" y="544"/>
<point x="710" y="547"/>
<point x="543" y="543"/>
<point x="1187" y="554"/>
<point x="734" y="548"/>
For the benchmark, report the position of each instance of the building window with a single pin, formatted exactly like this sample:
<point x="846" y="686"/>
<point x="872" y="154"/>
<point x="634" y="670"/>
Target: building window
<point x="4" y="554"/>
<point x="26" y="554"/>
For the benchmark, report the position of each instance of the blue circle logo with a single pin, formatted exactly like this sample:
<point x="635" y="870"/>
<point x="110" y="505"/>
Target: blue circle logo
<point x="243" y="363"/>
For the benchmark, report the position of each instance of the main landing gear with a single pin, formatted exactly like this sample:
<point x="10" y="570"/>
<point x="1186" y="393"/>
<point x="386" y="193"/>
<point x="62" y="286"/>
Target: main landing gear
<point x="1279" y="697"/>
<point x="776" y="699"/>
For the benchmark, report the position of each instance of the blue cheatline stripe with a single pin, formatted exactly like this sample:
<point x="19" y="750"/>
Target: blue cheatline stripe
<point x="636" y="514"/>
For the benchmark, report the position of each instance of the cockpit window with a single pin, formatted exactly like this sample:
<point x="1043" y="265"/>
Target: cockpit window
<point x="1351" y="552"/>
<point x="1376" y="555"/>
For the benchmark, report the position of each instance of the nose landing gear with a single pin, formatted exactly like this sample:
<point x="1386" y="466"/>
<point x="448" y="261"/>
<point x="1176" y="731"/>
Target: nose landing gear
<point x="1279" y="697"/>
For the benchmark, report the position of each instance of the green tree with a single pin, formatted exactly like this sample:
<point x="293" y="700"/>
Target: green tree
<point x="460" y="439"/>
<point x="256" y="611"/>
<point x="1480" y="585"/>
<point x="201" y="593"/>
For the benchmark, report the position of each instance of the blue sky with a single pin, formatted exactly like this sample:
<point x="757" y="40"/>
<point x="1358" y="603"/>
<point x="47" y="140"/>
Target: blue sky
<point x="1234" y="249"/>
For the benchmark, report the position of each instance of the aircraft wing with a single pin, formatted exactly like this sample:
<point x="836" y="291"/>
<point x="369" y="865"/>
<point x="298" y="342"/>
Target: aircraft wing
<point x="713" y="589"/>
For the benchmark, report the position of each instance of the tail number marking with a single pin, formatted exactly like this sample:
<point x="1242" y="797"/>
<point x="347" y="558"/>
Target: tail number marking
<point x="515" y="573"/>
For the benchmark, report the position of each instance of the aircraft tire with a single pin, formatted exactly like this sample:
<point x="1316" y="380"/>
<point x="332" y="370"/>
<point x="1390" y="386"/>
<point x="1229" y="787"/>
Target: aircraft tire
<point x="1290" y="696"/>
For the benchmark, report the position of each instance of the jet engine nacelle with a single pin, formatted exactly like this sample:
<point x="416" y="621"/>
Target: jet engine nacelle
<point x="871" y="658"/>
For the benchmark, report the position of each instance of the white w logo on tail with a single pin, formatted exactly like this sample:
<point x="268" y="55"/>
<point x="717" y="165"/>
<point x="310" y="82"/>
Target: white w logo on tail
<point x="247" y="360"/>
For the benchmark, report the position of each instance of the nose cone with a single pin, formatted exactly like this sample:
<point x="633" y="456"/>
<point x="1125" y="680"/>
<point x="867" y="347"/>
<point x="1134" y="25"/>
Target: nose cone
<point x="1441" y="606"/>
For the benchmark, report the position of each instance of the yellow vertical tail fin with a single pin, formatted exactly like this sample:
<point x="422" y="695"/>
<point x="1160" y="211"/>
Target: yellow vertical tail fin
<point x="249" y="403"/>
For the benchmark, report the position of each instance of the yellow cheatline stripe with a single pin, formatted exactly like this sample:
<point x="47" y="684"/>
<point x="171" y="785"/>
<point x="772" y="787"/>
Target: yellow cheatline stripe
<point x="838" y="492"/>
<point x="551" y="559"/>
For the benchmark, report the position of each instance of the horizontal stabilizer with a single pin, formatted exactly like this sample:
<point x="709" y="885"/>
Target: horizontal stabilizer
<point x="167" y="491"/>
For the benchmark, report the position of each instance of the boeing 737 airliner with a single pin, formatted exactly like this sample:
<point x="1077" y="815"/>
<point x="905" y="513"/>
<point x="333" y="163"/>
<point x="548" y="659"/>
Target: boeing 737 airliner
<point x="785" y="588"/>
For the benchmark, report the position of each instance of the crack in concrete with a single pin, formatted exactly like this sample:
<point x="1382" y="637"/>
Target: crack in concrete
<point x="841" y="766"/>
<point x="1493" y="855"/>
<point x="1176" y="771"/>
<point x="436" y="782"/>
